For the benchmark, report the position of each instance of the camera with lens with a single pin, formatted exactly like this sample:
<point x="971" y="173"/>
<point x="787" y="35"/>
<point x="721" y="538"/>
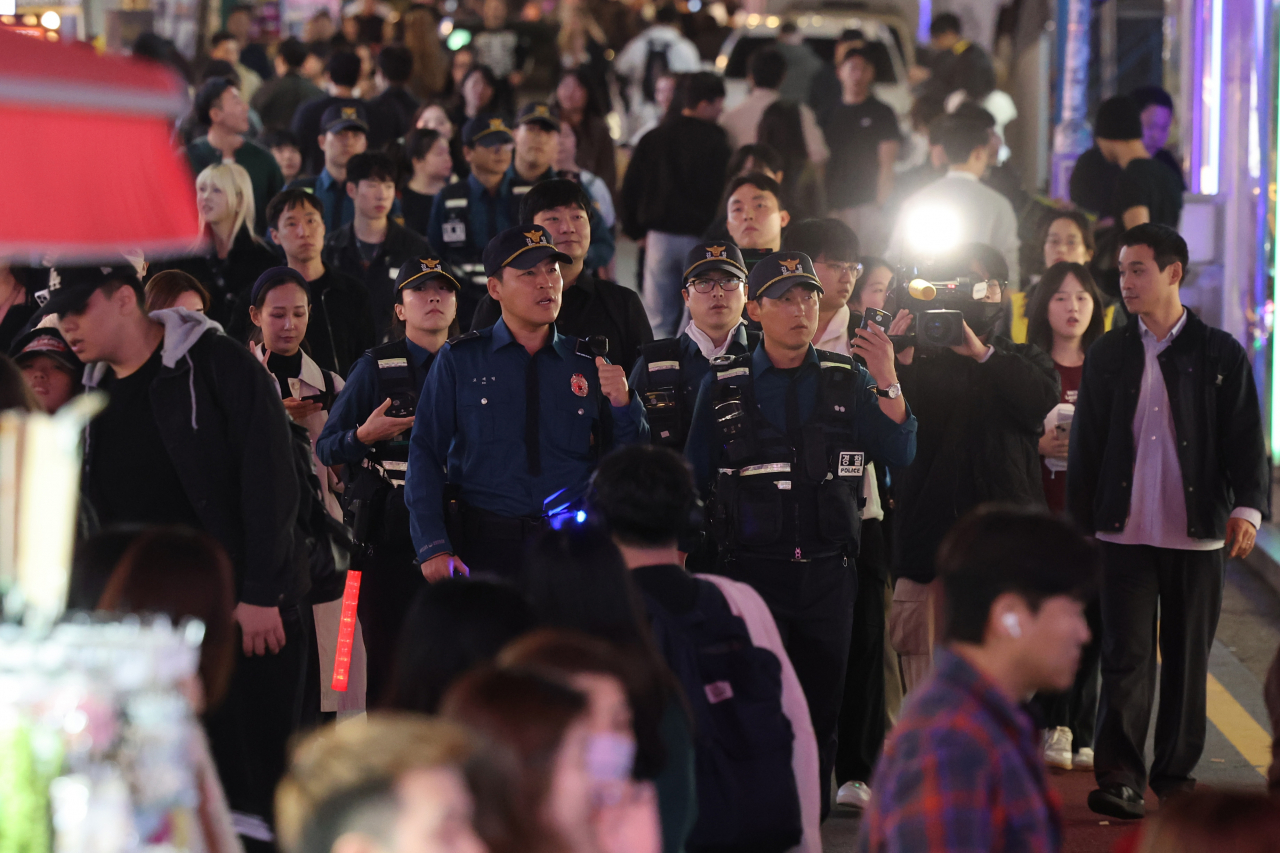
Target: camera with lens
<point x="942" y="307"/>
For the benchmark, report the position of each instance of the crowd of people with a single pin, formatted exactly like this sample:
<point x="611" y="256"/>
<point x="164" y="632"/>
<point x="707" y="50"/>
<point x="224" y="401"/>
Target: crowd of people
<point x="676" y="564"/>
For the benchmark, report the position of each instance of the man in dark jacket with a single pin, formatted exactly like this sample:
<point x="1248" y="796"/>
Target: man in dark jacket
<point x="195" y="434"/>
<point x="372" y="247"/>
<point x="344" y="74"/>
<point x="981" y="407"/>
<point x="672" y="192"/>
<point x="589" y="305"/>
<point x="278" y="99"/>
<point x="1167" y="467"/>
<point x="341" y="325"/>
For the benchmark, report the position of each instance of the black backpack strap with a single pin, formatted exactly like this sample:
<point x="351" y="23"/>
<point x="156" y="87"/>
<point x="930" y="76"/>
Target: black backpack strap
<point x="396" y="372"/>
<point x="732" y="398"/>
<point x="662" y="401"/>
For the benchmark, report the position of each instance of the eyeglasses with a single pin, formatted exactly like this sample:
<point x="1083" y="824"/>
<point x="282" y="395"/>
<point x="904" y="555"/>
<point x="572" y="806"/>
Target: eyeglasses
<point x="853" y="270"/>
<point x="706" y="285"/>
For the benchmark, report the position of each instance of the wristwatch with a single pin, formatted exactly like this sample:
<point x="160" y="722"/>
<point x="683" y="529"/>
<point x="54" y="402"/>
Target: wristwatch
<point x="893" y="392"/>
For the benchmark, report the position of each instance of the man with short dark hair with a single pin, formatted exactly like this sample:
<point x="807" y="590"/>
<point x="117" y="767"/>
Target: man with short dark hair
<point x="957" y="63"/>
<point x="466" y="215"/>
<point x="395" y="67"/>
<point x="1168" y="468"/>
<point x="862" y="132"/>
<point x="958" y="203"/>
<point x="346" y="134"/>
<point x="341" y="326"/>
<point x="962" y="769"/>
<point x="252" y="54"/>
<point x="220" y="107"/>
<point x="194" y="434"/>
<point x="1145" y="191"/>
<point x="343" y="69"/>
<point x="224" y="46"/>
<point x="766" y="72"/>
<point x="670" y="194"/>
<point x="590" y="306"/>
<point x="756" y="215"/>
<point x="278" y="100"/>
<point x="373" y="247"/>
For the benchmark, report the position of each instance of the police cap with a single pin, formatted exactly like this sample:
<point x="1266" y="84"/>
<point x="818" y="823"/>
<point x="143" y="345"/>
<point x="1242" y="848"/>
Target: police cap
<point x="340" y="117"/>
<point x="721" y="255"/>
<point x="539" y="114"/>
<point x="422" y="270"/>
<point x="486" y="132"/>
<point x="523" y="248"/>
<point x="779" y="272"/>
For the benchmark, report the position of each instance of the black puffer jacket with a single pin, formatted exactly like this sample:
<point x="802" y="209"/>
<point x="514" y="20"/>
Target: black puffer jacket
<point x="1216" y="422"/>
<point x="980" y="425"/>
<point x="227" y="434"/>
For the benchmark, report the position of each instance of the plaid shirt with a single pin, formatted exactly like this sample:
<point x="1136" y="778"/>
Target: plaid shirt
<point x="962" y="771"/>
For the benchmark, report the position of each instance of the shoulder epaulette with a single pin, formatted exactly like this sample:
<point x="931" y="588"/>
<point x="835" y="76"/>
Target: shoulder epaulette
<point x="833" y="360"/>
<point x="472" y="335"/>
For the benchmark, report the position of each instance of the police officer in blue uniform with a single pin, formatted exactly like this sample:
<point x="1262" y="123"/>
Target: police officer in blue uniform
<point x="467" y="215"/>
<point x="670" y="371"/>
<point x="513" y="419"/>
<point x="368" y="432"/>
<point x="779" y="441"/>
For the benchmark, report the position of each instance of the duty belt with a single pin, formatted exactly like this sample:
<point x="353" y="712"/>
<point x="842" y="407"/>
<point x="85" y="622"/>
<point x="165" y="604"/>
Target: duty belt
<point x="481" y="524"/>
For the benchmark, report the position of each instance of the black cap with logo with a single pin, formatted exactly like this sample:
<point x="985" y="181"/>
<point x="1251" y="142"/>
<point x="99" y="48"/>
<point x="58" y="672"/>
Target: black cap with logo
<point x="486" y="132"/>
<point x="523" y="248"/>
<point x="340" y="117"/>
<point x="720" y="255"/>
<point x="539" y="114"/>
<point x="774" y="275"/>
<point x="422" y="270"/>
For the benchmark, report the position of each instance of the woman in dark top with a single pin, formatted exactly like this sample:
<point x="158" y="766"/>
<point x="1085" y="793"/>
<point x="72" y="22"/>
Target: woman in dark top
<point x="1065" y="317"/>
<point x="235" y="256"/>
<point x="579" y="108"/>
<point x="779" y="129"/>
<point x="477" y="95"/>
<point x="430" y="168"/>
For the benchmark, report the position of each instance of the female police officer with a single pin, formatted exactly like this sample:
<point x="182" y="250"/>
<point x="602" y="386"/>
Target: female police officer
<point x="368" y="430"/>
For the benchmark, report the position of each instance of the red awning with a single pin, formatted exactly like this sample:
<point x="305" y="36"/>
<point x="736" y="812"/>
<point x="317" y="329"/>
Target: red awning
<point x="86" y="164"/>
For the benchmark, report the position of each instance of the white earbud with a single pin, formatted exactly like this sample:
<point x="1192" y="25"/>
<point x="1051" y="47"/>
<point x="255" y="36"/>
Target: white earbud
<point x="1012" y="625"/>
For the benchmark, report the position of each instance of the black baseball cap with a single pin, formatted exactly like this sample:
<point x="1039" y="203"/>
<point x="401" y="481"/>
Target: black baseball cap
<point x="348" y="116"/>
<point x="46" y="341"/>
<point x="541" y="114"/>
<point x="486" y="131"/>
<point x="275" y="274"/>
<point x="423" y="270"/>
<point x="719" y="255"/>
<point x="523" y="248"/>
<point x="774" y="275"/>
<point x="70" y="287"/>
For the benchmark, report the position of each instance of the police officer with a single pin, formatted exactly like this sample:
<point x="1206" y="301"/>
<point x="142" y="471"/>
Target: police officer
<point x="368" y="431"/>
<point x="670" y="371"/>
<point x="467" y="215"/>
<point x="516" y="414"/>
<point x="779" y="440"/>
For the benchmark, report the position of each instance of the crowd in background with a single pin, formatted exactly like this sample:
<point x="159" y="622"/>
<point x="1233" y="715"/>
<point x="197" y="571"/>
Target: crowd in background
<point x="647" y="670"/>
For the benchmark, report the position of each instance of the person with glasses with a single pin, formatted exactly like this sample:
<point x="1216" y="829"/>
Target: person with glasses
<point x="670" y="371"/>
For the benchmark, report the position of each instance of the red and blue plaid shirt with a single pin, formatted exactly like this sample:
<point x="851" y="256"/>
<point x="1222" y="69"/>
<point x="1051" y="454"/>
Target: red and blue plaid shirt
<point x="962" y="773"/>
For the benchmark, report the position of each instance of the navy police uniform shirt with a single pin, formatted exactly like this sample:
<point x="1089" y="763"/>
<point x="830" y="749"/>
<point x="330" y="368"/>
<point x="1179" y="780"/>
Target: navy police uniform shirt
<point x="337" y="444"/>
<point x="876" y="433"/>
<point x="470" y="424"/>
<point x="465" y="217"/>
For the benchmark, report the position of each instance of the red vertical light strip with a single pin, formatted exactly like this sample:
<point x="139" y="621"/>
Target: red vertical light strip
<point x="346" y="632"/>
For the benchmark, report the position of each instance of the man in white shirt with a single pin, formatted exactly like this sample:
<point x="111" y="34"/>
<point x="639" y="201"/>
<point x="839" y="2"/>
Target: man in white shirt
<point x="1167" y="467"/>
<point x="659" y="49"/>
<point x="765" y="75"/>
<point x="959" y="203"/>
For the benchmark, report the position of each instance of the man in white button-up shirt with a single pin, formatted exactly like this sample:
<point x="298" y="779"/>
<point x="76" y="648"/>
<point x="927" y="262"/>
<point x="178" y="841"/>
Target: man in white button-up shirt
<point x="1167" y="466"/>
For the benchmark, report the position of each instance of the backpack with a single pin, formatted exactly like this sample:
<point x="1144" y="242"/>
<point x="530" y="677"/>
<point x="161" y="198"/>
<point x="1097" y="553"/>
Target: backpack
<point x="747" y="796"/>
<point x="656" y="64"/>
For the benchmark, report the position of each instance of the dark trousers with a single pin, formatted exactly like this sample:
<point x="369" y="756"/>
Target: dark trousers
<point x="812" y="603"/>
<point x="1077" y="708"/>
<point x="493" y="545"/>
<point x="390" y="577"/>
<point x="862" y="714"/>
<point x="1183" y="590"/>
<point x="250" y="729"/>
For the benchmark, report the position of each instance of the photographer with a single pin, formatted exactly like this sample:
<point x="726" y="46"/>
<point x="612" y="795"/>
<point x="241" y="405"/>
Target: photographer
<point x="981" y="406"/>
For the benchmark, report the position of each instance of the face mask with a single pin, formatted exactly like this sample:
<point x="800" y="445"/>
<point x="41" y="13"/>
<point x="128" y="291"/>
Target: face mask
<point x="982" y="317"/>
<point x="610" y="757"/>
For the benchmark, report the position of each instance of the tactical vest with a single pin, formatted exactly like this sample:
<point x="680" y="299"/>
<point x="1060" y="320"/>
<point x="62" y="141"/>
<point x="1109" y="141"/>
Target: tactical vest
<point x="669" y="402"/>
<point x="457" y="241"/>
<point x="398" y="380"/>
<point x="774" y="500"/>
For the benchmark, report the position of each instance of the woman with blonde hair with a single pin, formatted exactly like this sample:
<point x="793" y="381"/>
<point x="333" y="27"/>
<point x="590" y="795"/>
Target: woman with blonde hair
<point x="231" y="256"/>
<point x="429" y="64"/>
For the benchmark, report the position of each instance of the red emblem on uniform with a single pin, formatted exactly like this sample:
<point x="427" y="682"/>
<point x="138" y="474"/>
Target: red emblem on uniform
<point x="579" y="384"/>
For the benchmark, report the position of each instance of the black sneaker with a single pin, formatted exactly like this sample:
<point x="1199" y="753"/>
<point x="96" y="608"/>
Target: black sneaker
<point x="1119" y="801"/>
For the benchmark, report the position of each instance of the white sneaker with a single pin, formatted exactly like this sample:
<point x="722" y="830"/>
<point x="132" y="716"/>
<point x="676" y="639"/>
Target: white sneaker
<point x="1057" y="747"/>
<point x="1083" y="759"/>
<point x="853" y="794"/>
